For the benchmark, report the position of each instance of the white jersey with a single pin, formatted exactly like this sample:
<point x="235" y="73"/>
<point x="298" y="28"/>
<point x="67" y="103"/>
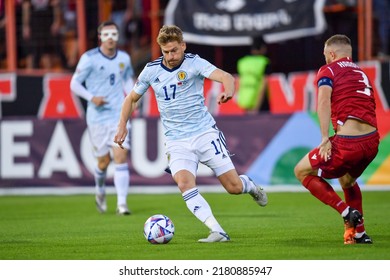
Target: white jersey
<point x="179" y="95"/>
<point x="104" y="76"/>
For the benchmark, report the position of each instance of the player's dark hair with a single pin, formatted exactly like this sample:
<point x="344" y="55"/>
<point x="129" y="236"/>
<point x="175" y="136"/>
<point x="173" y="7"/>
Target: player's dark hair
<point x="104" y="24"/>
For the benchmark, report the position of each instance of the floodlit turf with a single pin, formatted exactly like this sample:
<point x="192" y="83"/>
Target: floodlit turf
<point x="293" y="226"/>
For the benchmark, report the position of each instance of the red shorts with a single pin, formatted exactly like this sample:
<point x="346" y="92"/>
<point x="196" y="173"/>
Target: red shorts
<point x="350" y="154"/>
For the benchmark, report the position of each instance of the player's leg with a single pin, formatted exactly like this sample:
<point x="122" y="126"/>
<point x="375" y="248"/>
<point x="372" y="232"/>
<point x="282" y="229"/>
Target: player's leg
<point x="121" y="172"/>
<point x="235" y="184"/>
<point x="100" y="173"/>
<point x="353" y="197"/>
<point x="102" y="154"/>
<point x="212" y="151"/>
<point x="121" y="179"/>
<point x="361" y="151"/>
<point x="317" y="186"/>
<point x="99" y="136"/>
<point x="324" y="192"/>
<point x="195" y="202"/>
<point x="183" y="164"/>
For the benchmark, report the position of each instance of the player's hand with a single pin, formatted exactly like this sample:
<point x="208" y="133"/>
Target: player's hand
<point x="120" y="136"/>
<point x="98" y="100"/>
<point x="224" y="97"/>
<point x="325" y="149"/>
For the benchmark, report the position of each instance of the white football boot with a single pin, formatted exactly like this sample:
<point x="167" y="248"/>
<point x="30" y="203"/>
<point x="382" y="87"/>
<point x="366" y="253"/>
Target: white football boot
<point x="122" y="210"/>
<point x="259" y="195"/>
<point x="101" y="203"/>
<point x="215" y="236"/>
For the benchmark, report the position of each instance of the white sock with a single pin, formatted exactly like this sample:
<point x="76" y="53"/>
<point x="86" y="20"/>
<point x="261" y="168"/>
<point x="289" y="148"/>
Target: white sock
<point x="201" y="209"/>
<point x="121" y="182"/>
<point x="359" y="234"/>
<point x="345" y="212"/>
<point x="213" y="224"/>
<point x="100" y="179"/>
<point x="247" y="185"/>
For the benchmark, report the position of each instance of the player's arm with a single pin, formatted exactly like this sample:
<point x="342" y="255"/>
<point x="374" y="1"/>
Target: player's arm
<point x="228" y="83"/>
<point x="324" y="116"/>
<point x="77" y="88"/>
<point x="128" y="106"/>
<point x="83" y="70"/>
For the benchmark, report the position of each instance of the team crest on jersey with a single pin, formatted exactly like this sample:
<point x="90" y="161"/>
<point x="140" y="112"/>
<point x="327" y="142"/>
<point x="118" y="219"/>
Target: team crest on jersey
<point x="181" y="76"/>
<point x="121" y="66"/>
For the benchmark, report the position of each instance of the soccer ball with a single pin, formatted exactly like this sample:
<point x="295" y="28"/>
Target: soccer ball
<point x="159" y="229"/>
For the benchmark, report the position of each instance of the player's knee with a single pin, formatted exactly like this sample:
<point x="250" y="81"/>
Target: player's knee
<point x="185" y="186"/>
<point x="184" y="180"/>
<point x="102" y="166"/>
<point x="103" y="162"/>
<point x="298" y="173"/>
<point x="301" y="173"/>
<point x="347" y="181"/>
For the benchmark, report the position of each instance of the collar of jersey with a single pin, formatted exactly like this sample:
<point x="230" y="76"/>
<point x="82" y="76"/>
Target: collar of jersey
<point x="174" y="68"/>
<point x="116" y="53"/>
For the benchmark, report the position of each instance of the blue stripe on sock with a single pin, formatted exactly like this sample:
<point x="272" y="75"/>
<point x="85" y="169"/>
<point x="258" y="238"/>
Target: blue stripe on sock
<point x="191" y="195"/>
<point x="245" y="186"/>
<point x="99" y="172"/>
<point x="121" y="168"/>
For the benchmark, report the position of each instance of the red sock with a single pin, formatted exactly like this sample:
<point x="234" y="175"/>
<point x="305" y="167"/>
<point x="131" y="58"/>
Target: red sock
<point x="353" y="197"/>
<point x="319" y="188"/>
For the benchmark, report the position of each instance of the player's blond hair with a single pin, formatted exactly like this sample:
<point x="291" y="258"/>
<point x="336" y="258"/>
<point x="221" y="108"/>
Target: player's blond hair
<point x="169" y="33"/>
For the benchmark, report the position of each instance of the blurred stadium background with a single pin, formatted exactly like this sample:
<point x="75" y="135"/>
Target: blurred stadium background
<point x="43" y="142"/>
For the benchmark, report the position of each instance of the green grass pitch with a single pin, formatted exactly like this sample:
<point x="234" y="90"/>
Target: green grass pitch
<point x="294" y="226"/>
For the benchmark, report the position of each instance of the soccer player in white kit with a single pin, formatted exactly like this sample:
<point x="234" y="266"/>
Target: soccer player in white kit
<point x="191" y="133"/>
<point x="108" y="75"/>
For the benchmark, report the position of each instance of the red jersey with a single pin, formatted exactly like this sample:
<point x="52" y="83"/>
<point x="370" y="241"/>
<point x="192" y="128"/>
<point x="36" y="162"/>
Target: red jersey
<point x="352" y="93"/>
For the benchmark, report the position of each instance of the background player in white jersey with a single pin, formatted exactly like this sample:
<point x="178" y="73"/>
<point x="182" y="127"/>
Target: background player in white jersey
<point x="108" y="74"/>
<point x="192" y="135"/>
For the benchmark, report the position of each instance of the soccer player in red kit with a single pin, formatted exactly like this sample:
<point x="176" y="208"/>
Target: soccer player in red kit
<point x="345" y="99"/>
